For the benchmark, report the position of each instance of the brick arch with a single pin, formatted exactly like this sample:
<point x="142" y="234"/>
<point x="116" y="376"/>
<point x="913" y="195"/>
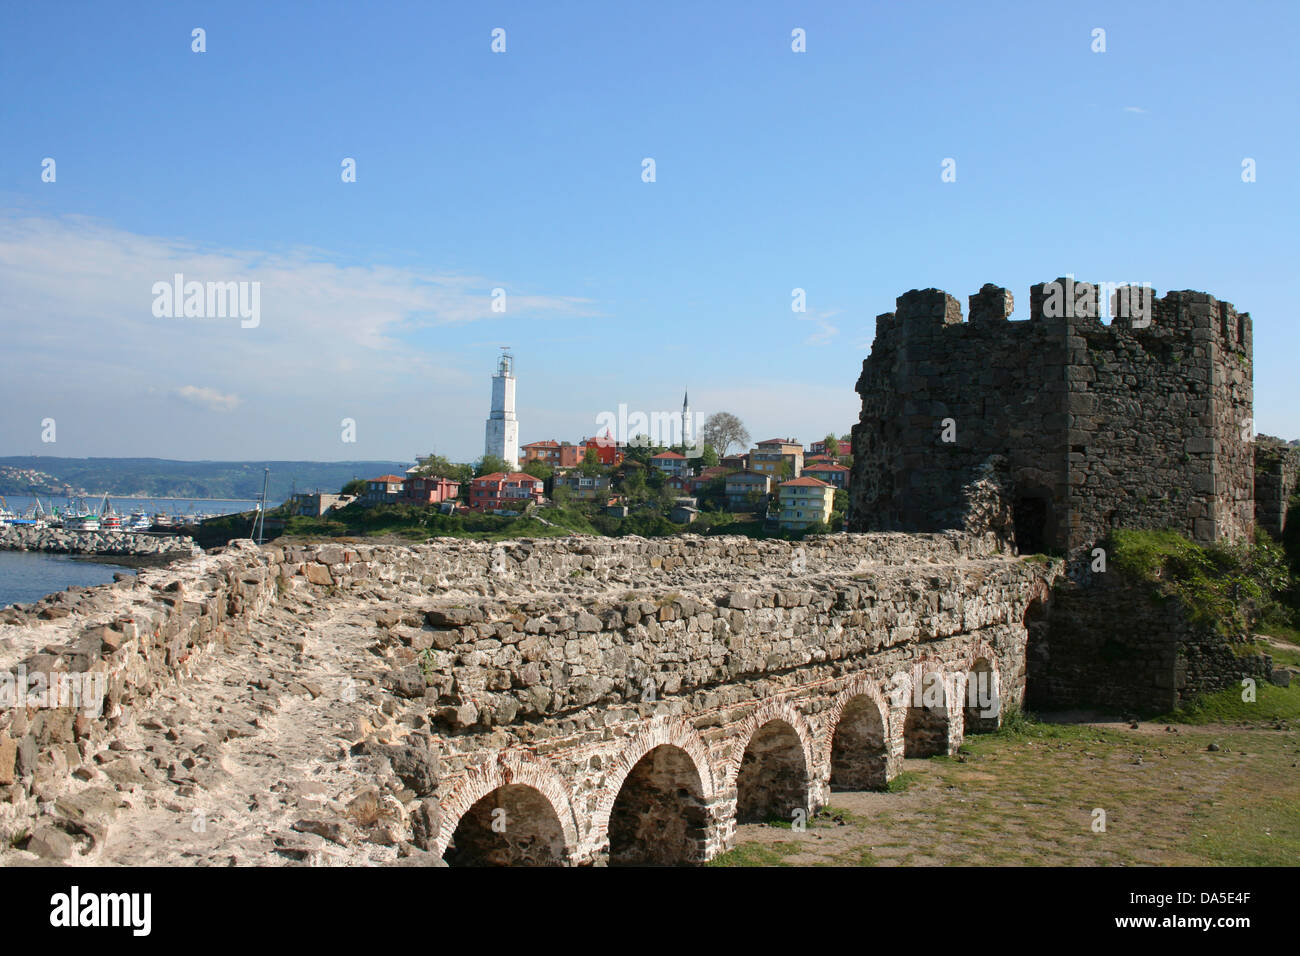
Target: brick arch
<point x="521" y="769"/>
<point x="675" y="733"/>
<point x="914" y="711"/>
<point x="860" y="685"/>
<point x="781" y="710"/>
<point x="981" y="652"/>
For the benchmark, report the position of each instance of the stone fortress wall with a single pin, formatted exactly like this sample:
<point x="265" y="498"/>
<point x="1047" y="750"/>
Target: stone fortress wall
<point x="1090" y="426"/>
<point x="584" y="685"/>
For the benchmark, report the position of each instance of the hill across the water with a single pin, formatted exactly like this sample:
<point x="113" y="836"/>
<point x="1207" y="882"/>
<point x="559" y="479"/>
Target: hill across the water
<point x="166" y="478"/>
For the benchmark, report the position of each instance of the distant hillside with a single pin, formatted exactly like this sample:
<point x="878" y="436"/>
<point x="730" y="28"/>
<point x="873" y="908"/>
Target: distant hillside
<point x="164" y="478"/>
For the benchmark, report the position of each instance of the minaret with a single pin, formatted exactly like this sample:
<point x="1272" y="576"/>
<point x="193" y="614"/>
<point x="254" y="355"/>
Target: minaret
<point x="502" y="427"/>
<point x="686" y="420"/>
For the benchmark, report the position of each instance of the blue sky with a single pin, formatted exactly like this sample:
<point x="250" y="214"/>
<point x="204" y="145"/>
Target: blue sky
<point x="522" y="170"/>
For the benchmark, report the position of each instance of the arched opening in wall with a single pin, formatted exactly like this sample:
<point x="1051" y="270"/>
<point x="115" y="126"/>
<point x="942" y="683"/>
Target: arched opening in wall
<point x="858" y="750"/>
<point x="514" y="825"/>
<point x="1030" y="516"/>
<point x="1038" y="657"/>
<point x="773" y="778"/>
<point x="658" y="818"/>
<point x="982" y="708"/>
<point x="925" y="728"/>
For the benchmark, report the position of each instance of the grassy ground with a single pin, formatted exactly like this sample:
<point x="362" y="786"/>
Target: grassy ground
<point x="1028" y="795"/>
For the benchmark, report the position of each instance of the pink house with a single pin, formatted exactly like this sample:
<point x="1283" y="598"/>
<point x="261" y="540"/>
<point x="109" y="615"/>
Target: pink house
<point x="429" y="490"/>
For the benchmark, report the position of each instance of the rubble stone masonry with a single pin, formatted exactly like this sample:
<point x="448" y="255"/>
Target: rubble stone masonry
<point x="1096" y="426"/>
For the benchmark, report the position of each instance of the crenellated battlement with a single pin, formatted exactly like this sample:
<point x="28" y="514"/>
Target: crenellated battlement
<point x="1107" y="405"/>
<point x="1066" y="305"/>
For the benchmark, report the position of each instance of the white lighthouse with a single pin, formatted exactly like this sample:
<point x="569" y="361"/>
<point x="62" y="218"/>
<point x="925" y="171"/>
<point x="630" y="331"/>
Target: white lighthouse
<point x="502" y="426"/>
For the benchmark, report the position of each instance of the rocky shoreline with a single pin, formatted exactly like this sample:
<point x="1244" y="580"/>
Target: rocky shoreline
<point x="120" y="544"/>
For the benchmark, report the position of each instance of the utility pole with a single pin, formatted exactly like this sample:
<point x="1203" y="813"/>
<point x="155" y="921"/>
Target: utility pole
<point x="259" y="523"/>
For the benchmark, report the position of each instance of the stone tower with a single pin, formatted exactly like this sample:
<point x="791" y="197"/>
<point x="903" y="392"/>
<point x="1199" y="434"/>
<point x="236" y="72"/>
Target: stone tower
<point x="502" y="426"/>
<point x="1056" y="429"/>
<point x="686" y="420"/>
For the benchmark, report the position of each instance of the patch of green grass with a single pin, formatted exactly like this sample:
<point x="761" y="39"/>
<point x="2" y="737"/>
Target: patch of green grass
<point x="1284" y="655"/>
<point x="1265" y="833"/>
<point x="829" y="813"/>
<point x="757" y="854"/>
<point x="1289" y="634"/>
<point x="859" y="856"/>
<point x="1227" y="707"/>
<point x="902" y="782"/>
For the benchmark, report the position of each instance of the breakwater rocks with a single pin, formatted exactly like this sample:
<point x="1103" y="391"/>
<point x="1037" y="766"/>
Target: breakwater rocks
<point x="58" y="541"/>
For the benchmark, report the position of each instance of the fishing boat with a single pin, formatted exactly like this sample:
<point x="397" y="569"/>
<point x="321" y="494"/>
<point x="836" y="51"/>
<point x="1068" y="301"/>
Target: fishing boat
<point x="139" y="521"/>
<point x="34" y="517"/>
<point x="162" y="520"/>
<point x="86" y="522"/>
<point x="109" y="520"/>
<point x="7" y="515"/>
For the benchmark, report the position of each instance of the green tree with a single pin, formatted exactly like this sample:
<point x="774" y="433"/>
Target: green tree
<point x="539" y="469"/>
<point x="709" y="457"/>
<point x="490" y="464"/>
<point x="357" y="486"/>
<point x="591" y="466"/>
<point x="832" y="445"/>
<point x="633" y="484"/>
<point x="562" y="495"/>
<point x="435" y="466"/>
<point x="639" y="449"/>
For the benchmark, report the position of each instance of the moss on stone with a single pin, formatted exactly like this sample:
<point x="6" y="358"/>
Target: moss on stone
<point x="1218" y="585"/>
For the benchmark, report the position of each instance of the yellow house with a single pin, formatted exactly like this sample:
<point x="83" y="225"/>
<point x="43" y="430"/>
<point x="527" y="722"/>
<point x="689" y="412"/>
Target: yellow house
<point x="769" y="457"/>
<point x="805" y="501"/>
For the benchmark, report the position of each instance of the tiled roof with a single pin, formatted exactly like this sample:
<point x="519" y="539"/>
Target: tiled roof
<point x="668" y="454"/>
<point x="388" y="478"/>
<point x="805" y="483"/>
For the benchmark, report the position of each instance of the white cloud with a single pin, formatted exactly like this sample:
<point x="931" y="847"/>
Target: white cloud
<point x="825" y="331"/>
<point x="208" y="398"/>
<point x="1134" y="109"/>
<point x="334" y="340"/>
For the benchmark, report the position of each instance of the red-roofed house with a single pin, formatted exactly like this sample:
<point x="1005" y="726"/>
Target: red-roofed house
<point x="499" y="491"/>
<point x="805" y="501"/>
<point x="843" y="445"/>
<point x="670" y="463"/>
<point x="830" y="473"/>
<point x="607" y="449"/>
<point x="547" y="452"/>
